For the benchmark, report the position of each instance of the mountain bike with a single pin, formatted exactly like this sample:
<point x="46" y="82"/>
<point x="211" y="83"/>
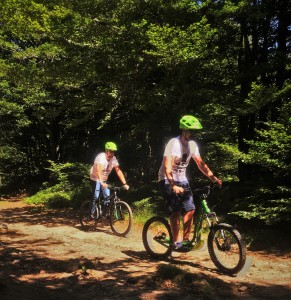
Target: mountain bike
<point x="225" y="244"/>
<point x="117" y="212"/>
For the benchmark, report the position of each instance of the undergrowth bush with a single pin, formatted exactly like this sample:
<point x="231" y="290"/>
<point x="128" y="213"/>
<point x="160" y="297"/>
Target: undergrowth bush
<point x="269" y="206"/>
<point x="148" y="207"/>
<point x="69" y="186"/>
<point x="51" y="199"/>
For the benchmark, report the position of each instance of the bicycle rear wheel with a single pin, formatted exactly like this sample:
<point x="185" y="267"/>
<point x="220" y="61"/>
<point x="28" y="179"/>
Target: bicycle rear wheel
<point x="157" y="238"/>
<point x="120" y="218"/>
<point x="226" y="248"/>
<point x="86" y="221"/>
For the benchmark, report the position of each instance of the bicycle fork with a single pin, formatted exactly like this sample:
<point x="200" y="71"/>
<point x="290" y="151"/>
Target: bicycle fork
<point x="212" y="219"/>
<point x="218" y="238"/>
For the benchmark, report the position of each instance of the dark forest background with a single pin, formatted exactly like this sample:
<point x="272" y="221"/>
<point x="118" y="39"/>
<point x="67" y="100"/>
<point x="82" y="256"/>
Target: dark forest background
<point x="75" y="74"/>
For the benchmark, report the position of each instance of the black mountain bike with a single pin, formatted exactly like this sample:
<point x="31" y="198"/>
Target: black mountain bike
<point x="112" y="208"/>
<point x="225" y="244"/>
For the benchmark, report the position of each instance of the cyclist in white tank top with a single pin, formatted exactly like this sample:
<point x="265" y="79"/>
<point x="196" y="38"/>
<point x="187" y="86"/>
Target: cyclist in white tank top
<point x="172" y="177"/>
<point x="101" y="169"/>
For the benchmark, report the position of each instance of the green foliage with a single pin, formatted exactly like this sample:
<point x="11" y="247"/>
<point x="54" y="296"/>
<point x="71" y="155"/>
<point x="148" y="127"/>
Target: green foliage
<point x="259" y="97"/>
<point x="270" y="152"/>
<point x="269" y="206"/>
<point x="272" y="149"/>
<point x="70" y="186"/>
<point x="224" y="157"/>
<point x="271" y="212"/>
<point x="175" y="45"/>
<point x="52" y="199"/>
<point x="68" y="172"/>
<point x="146" y="208"/>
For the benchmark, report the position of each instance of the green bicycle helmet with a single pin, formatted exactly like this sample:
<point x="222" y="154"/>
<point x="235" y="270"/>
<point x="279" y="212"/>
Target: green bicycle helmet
<point x="189" y="123"/>
<point x="110" y="146"/>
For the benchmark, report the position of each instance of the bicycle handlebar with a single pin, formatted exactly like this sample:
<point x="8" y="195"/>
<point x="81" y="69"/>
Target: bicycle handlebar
<point x="207" y="189"/>
<point x="115" y="188"/>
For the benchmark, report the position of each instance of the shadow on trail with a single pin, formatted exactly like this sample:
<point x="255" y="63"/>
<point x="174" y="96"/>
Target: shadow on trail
<point x="206" y="285"/>
<point x="36" y="215"/>
<point x="27" y="271"/>
<point x="141" y="255"/>
<point x="101" y="227"/>
<point x="174" y="261"/>
<point x="26" y="274"/>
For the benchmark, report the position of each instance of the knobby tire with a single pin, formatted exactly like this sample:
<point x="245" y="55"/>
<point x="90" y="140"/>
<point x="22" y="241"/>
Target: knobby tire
<point x="86" y="221"/>
<point x="226" y="248"/>
<point x="157" y="238"/>
<point x="120" y="218"/>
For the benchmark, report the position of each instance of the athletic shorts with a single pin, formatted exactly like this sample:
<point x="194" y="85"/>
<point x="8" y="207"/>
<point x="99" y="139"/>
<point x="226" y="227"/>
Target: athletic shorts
<point x="177" y="202"/>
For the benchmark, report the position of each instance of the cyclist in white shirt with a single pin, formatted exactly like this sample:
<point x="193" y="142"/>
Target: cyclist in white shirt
<point x="172" y="178"/>
<point x="101" y="169"/>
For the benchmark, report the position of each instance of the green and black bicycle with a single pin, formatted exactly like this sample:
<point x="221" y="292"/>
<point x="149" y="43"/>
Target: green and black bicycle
<point x="225" y="244"/>
<point x="113" y="209"/>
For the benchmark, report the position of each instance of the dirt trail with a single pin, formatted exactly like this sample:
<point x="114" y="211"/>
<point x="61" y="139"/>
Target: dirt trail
<point x="44" y="254"/>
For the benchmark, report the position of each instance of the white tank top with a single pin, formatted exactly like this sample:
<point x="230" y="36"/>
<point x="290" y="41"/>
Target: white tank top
<point x="182" y="156"/>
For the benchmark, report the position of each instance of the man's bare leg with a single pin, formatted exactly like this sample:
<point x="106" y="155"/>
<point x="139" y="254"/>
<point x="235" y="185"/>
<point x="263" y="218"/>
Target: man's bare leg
<point x="187" y="224"/>
<point x="175" y="225"/>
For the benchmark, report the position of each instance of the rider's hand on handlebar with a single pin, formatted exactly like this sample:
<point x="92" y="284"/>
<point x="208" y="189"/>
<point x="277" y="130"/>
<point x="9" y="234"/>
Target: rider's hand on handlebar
<point x="126" y="187"/>
<point x="104" y="185"/>
<point x="178" y="189"/>
<point x="217" y="181"/>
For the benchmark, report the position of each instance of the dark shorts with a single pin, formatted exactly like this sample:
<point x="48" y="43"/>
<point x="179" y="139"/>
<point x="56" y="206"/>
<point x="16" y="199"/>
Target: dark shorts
<point x="175" y="202"/>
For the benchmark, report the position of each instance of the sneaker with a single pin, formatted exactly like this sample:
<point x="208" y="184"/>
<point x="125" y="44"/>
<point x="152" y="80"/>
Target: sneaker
<point x="93" y="216"/>
<point x="182" y="246"/>
<point x="177" y="245"/>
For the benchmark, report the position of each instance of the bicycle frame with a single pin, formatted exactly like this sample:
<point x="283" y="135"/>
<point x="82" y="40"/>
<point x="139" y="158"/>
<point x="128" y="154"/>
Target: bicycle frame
<point x="210" y="217"/>
<point x="202" y="213"/>
<point x="113" y="198"/>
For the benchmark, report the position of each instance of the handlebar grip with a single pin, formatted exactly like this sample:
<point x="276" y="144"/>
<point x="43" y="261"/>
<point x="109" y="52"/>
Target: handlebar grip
<point x="115" y="188"/>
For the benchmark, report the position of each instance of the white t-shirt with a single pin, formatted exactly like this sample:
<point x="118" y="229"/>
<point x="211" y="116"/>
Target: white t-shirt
<point x="108" y="166"/>
<point x="182" y="156"/>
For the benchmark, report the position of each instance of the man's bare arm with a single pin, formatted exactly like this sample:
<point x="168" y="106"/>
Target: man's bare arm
<point x="206" y="170"/>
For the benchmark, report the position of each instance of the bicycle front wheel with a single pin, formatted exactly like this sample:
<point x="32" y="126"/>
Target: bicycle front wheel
<point x="157" y="238"/>
<point x="226" y="248"/>
<point x="86" y="221"/>
<point x="120" y="218"/>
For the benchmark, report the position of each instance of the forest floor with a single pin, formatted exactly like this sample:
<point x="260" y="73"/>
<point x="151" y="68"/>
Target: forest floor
<point x="44" y="254"/>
